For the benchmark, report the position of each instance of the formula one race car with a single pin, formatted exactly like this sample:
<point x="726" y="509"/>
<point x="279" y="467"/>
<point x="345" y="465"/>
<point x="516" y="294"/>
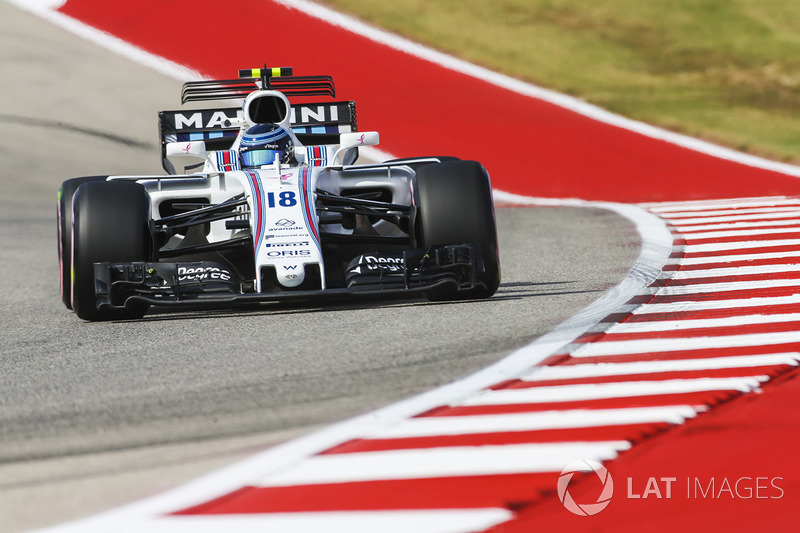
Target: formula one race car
<point x="277" y="210"/>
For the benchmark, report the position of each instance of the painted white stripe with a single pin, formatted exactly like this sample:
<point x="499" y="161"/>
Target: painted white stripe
<point x="705" y="288"/>
<point x="424" y="521"/>
<point x="794" y="228"/>
<point x="733" y="218"/>
<point x="601" y="391"/>
<point x="687" y="230"/>
<point x="732" y="271"/>
<point x="733" y="211"/>
<point x="507" y="423"/>
<point x="678" y="325"/>
<point x="739" y="245"/>
<point x="442" y="462"/>
<point x="689" y="343"/>
<point x="689" y="261"/>
<point x="703" y="205"/>
<point x="709" y="305"/>
<point x="597" y="370"/>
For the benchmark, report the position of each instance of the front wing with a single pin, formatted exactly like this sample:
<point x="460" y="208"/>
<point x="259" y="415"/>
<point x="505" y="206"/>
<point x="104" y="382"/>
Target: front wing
<point x="210" y="284"/>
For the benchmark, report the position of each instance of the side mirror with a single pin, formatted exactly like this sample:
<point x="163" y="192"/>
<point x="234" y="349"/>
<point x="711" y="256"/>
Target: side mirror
<point x="188" y="154"/>
<point x="187" y="148"/>
<point x="355" y="139"/>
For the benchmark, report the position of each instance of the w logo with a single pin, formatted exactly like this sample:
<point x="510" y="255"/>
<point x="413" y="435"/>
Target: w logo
<point x="585" y="509"/>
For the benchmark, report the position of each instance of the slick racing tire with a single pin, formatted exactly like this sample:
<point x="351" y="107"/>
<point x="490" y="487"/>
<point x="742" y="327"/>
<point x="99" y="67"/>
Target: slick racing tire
<point x="110" y="224"/>
<point x="65" y="194"/>
<point x="455" y="206"/>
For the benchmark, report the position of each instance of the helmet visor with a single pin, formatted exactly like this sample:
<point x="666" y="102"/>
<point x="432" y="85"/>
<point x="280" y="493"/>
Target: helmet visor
<point x="257" y="158"/>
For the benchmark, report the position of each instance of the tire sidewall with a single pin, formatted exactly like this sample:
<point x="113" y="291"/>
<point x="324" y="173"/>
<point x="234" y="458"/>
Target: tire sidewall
<point x="110" y="223"/>
<point x="454" y="205"/>
<point x="64" y="215"/>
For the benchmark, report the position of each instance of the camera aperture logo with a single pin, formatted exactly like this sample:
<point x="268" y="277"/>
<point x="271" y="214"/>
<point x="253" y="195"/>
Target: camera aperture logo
<point x="582" y="466"/>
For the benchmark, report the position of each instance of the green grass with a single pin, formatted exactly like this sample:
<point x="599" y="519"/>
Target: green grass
<point x="727" y="71"/>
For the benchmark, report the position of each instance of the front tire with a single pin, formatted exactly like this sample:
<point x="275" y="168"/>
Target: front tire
<point x="65" y="195"/>
<point x="455" y="206"/>
<point x="110" y="224"/>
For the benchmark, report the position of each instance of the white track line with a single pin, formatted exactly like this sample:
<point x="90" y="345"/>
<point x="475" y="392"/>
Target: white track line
<point x="739" y="245"/>
<point x="602" y="391"/>
<point x="687" y="230"/>
<point x="514" y="422"/>
<point x="730" y="203"/>
<point x="708" y="305"/>
<point x="701" y="323"/>
<point x="731" y="271"/>
<point x="736" y="211"/>
<point x="610" y="348"/>
<point x="736" y="258"/>
<point x="708" y="288"/>
<point x="597" y="370"/>
<point x="689" y="235"/>
<point x="441" y="462"/>
<point x="733" y="218"/>
<point x="403" y="521"/>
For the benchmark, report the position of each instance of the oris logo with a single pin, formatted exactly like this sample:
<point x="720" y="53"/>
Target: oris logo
<point x="591" y="508"/>
<point x="289" y="253"/>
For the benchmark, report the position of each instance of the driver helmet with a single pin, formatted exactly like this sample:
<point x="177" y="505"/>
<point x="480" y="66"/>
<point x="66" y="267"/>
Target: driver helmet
<point x="262" y="142"/>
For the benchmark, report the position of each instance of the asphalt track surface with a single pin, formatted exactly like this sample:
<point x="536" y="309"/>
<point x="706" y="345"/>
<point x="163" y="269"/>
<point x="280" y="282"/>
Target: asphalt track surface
<point x="96" y="415"/>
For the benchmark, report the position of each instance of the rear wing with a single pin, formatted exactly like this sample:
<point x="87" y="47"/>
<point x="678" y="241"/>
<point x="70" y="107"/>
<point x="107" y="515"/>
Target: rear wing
<point x="313" y="124"/>
<point x="289" y="85"/>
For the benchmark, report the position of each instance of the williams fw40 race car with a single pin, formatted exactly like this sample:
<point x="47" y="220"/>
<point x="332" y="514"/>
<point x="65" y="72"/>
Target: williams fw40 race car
<point x="264" y="202"/>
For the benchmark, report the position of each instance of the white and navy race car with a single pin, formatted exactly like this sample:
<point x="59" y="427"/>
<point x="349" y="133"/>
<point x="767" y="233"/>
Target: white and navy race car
<point x="264" y="202"/>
